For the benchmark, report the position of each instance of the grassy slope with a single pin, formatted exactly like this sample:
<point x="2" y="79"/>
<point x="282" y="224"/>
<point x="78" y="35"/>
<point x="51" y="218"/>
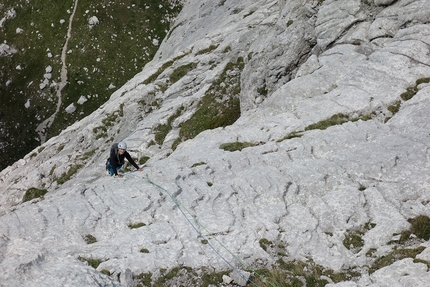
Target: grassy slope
<point x="111" y="52"/>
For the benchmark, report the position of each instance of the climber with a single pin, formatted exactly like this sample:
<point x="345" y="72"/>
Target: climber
<point x="116" y="160"/>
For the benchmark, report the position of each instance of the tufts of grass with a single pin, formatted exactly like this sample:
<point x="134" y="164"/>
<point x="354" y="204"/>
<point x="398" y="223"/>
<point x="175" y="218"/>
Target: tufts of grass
<point x="162" y="130"/>
<point x="174" y="272"/>
<point x="295" y="273"/>
<point x="198" y="163"/>
<point x="181" y="71"/>
<point x="207" y="50"/>
<point x="411" y="91"/>
<point x="91" y="262"/>
<point x="291" y="136"/>
<point x="67" y="175"/>
<point x="236" y="146"/>
<point x="264" y="243"/>
<point x="336" y="119"/>
<point x="90" y="239"/>
<point x="136" y="225"/>
<point x="143" y="160"/>
<point x="163" y="67"/>
<point x="394" y="256"/>
<point x="353" y="239"/>
<point x="420" y="226"/>
<point x="108" y="122"/>
<point x="219" y="107"/>
<point x="213" y="278"/>
<point x="32" y="193"/>
<point x="143" y="279"/>
<point x="395" y="107"/>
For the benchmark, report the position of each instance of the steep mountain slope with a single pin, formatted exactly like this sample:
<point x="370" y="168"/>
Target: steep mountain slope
<point x="61" y="60"/>
<point x="322" y="173"/>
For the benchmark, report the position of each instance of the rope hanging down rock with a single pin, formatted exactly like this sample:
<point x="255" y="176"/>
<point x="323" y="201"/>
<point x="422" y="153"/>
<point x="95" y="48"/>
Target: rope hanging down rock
<point x="181" y="209"/>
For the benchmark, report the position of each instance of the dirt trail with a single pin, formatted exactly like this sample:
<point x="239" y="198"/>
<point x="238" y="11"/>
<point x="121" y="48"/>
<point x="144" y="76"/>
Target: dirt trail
<point x="44" y="126"/>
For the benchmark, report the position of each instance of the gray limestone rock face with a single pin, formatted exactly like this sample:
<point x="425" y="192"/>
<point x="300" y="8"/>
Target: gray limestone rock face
<point x="332" y="138"/>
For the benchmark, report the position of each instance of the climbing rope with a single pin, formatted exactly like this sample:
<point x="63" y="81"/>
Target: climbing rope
<point x="181" y="209"/>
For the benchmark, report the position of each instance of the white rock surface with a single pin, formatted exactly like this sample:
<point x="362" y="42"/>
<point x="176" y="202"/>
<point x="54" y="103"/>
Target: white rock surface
<point x="304" y="192"/>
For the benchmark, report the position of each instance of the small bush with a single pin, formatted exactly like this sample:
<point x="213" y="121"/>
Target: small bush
<point x="32" y="193"/>
<point x="144" y="250"/>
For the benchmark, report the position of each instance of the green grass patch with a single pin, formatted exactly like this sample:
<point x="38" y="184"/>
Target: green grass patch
<point x="353" y="238"/>
<point x="163" y="67"/>
<point x="143" y="160"/>
<point x="420" y="226"/>
<point x="162" y="130"/>
<point x="136" y="225"/>
<point x="291" y="136"/>
<point x="91" y="261"/>
<point x="207" y="50"/>
<point x="198" y="163"/>
<point x="143" y="279"/>
<point x="90" y="239"/>
<point x="109" y="121"/>
<point x="264" y="243"/>
<point x="394" y="256"/>
<point x="67" y="175"/>
<point x="181" y="71"/>
<point x="336" y="119"/>
<point x="32" y="193"/>
<point x="411" y="91"/>
<point x="219" y="107"/>
<point x="294" y="273"/>
<point x="173" y="273"/>
<point x="236" y="146"/>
